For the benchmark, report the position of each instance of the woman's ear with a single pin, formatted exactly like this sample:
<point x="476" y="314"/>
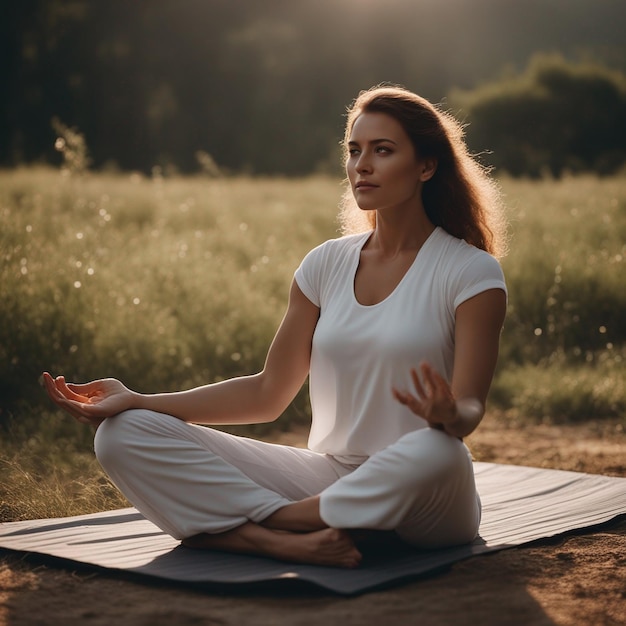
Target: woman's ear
<point x="428" y="168"/>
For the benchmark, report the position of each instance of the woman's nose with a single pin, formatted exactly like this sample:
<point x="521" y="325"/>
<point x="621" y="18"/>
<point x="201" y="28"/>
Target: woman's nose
<point x="363" y="163"/>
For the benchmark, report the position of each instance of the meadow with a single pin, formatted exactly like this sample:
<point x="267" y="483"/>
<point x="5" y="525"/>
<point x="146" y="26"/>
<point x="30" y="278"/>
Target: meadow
<point x="167" y="283"/>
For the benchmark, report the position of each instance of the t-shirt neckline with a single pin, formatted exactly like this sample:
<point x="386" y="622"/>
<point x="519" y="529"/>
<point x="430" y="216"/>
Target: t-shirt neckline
<point x="360" y="247"/>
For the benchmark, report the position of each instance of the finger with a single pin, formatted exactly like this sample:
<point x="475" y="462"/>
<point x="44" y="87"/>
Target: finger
<point x="440" y="384"/>
<point x="77" y="410"/>
<point x="86" y="410"/>
<point x="437" y="384"/>
<point x="48" y="383"/>
<point x="52" y="389"/>
<point x="417" y="383"/>
<point x="416" y="405"/>
<point x="71" y="406"/>
<point x="68" y="392"/>
<point x="86" y="389"/>
<point x="79" y="416"/>
<point x="399" y="395"/>
<point x="428" y="376"/>
<point x="409" y="400"/>
<point x="59" y="386"/>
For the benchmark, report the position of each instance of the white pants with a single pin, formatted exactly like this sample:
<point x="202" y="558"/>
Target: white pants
<point x="190" y="479"/>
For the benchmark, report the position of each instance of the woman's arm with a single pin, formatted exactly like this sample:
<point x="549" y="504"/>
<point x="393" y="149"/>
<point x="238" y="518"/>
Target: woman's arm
<point x="477" y="332"/>
<point x="458" y="408"/>
<point x="257" y="398"/>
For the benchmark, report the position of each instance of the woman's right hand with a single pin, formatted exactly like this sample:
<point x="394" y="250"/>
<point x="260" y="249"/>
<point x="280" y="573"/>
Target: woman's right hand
<point x="90" y="403"/>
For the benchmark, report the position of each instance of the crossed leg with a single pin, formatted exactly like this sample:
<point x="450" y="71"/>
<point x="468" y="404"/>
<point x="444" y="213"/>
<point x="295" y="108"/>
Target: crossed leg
<point x="294" y="533"/>
<point x="217" y="491"/>
<point x="328" y="546"/>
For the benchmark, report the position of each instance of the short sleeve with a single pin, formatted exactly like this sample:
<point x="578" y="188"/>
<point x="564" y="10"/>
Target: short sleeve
<point x="483" y="272"/>
<point x="325" y="269"/>
<point x="308" y="275"/>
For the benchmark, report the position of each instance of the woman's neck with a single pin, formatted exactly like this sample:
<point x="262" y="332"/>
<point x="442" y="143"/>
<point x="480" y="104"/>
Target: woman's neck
<point x="395" y="234"/>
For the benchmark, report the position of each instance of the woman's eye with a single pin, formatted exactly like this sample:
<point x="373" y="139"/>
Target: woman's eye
<point x="353" y="151"/>
<point x="383" y="150"/>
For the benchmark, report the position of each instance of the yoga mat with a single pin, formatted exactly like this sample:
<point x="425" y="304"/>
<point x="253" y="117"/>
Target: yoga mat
<point x="520" y="505"/>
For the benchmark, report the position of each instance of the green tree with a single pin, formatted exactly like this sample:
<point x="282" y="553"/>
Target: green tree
<point x="556" y="116"/>
<point x="259" y="86"/>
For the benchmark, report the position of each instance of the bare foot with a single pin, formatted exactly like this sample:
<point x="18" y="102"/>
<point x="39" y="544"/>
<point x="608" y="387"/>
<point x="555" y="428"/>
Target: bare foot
<point x="329" y="546"/>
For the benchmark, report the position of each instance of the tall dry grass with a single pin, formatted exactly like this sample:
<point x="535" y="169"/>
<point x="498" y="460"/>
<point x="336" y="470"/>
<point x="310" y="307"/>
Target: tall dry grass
<point x="168" y="283"/>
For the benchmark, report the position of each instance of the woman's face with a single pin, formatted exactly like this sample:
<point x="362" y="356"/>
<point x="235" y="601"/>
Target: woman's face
<point x="382" y="167"/>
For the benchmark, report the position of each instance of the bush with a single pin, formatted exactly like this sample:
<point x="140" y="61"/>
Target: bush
<point x="168" y="283"/>
<point x="554" y="117"/>
<point x="163" y="283"/>
<point x="171" y="283"/>
<point x="559" y="392"/>
<point x="565" y="269"/>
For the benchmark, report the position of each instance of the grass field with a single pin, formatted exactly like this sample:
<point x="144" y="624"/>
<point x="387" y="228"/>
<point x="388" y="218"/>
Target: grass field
<point x="168" y="283"/>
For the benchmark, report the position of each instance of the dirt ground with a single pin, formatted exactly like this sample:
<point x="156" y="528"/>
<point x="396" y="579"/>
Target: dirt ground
<point x="579" y="580"/>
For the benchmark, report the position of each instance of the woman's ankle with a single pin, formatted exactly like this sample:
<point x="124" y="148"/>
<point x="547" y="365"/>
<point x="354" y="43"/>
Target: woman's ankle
<point x="323" y="547"/>
<point x="301" y="516"/>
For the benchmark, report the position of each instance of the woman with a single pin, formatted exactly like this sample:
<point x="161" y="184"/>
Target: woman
<point x="415" y="287"/>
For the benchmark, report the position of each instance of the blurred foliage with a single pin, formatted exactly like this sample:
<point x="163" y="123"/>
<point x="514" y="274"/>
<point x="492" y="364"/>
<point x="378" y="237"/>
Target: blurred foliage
<point x="164" y="283"/>
<point x="173" y="282"/>
<point x="50" y="474"/>
<point x="72" y="145"/>
<point x="257" y="86"/>
<point x="555" y="117"/>
<point x="168" y="283"/>
<point x="559" y="391"/>
<point x="565" y="271"/>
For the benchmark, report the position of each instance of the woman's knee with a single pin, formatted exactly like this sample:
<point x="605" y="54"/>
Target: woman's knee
<point x="446" y="510"/>
<point x="115" y="434"/>
<point x="435" y="456"/>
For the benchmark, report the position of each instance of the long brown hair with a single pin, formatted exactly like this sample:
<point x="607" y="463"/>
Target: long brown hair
<point x="461" y="197"/>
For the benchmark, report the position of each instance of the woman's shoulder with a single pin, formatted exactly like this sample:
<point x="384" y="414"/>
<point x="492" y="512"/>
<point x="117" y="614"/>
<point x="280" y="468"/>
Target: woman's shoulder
<point x="339" y="245"/>
<point x="459" y="251"/>
<point x="326" y="263"/>
<point x="461" y="264"/>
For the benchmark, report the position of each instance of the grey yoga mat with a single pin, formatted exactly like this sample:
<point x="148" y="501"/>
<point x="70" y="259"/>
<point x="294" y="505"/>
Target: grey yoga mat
<point x="520" y="504"/>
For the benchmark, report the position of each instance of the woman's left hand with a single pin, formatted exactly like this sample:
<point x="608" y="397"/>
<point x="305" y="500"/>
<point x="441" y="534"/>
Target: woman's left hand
<point x="432" y="400"/>
<point x="89" y="403"/>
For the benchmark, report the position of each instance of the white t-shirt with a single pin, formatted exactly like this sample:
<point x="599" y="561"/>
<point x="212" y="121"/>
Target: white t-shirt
<point x="359" y="352"/>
